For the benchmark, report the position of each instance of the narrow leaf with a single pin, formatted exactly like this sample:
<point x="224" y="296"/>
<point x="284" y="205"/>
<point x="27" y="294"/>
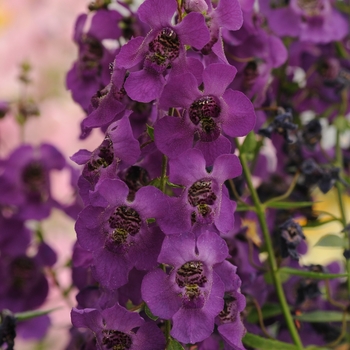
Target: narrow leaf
<point x="288" y="205"/>
<point x="249" y="143"/>
<point x="331" y="240"/>
<point x="23" y="316"/>
<point x="149" y="314"/>
<point x="322" y="316"/>
<point x="268" y="310"/>
<point x="316" y="275"/>
<point x="150" y="132"/>
<point x="243" y="207"/>
<point x="174" y="345"/>
<point x="260" y="343"/>
<point x="317" y="223"/>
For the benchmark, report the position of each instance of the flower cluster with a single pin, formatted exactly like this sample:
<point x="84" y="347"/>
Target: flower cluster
<point x="212" y="117"/>
<point x="159" y="233"/>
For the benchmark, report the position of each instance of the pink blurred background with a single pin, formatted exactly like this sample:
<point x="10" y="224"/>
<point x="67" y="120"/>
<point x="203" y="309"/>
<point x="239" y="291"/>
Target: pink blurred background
<point x="39" y="32"/>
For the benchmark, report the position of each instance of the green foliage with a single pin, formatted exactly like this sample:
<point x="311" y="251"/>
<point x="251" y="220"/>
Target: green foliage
<point x="322" y="316"/>
<point x="149" y="313"/>
<point x="261" y="343"/>
<point x="288" y="205"/>
<point x="331" y="241"/>
<point x="310" y="274"/>
<point x="150" y="131"/>
<point x="23" y="316"/>
<point x="268" y="310"/>
<point x="174" y="345"/>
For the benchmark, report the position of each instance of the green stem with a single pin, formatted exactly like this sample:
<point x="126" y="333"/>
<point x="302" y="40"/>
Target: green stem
<point x="163" y="188"/>
<point x="339" y="187"/>
<point x="260" y="211"/>
<point x="163" y="176"/>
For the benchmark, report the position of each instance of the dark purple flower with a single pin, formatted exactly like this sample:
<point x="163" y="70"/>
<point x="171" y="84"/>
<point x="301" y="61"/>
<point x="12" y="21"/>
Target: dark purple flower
<point x="118" y="146"/>
<point x="309" y="20"/>
<point x="230" y="325"/>
<point x="282" y="124"/>
<point x="116" y="230"/>
<point x="25" y="182"/>
<point x="14" y="238"/>
<point x="90" y="72"/>
<point x="118" y="328"/>
<point x="191" y="293"/>
<point x="204" y="202"/>
<point x="227" y="14"/>
<point x="163" y="48"/>
<point x="207" y="114"/>
<point x="24" y="286"/>
<point x="291" y="234"/>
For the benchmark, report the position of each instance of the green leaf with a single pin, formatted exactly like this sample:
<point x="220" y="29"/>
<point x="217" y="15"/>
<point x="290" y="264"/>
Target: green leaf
<point x="318" y="223"/>
<point x="310" y="274"/>
<point x="155" y="182"/>
<point x="268" y="310"/>
<point x="174" y="185"/>
<point x="249" y="143"/>
<point x="322" y="316"/>
<point x="332" y="241"/>
<point x="149" y="313"/>
<point x="288" y="205"/>
<point x="23" y="316"/>
<point x="261" y="343"/>
<point x="150" y="131"/>
<point x="341" y="123"/>
<point x="174" y="345"/>
<point x="243" y="207"/>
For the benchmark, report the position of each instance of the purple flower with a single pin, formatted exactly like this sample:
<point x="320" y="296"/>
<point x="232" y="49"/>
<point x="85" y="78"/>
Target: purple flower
<point x="25" y="182"/>
<point x="162" y="48"/>
<point x="118" y="328"/>
<point x="14" y="238"/>
<point x="116" y="230"/>
<point x="227" y="14"/>
<point x="24" y="286"/>
<point x="315" y="21"/>
<point x="118" y="146"/>
<point x="90" y="72"/>
<point x="191" y="293"/>
<point x="230" y="325"/>
<point x="204" y="201"/>
<point x="291" y="234"/>
<point x="206" y="116"/>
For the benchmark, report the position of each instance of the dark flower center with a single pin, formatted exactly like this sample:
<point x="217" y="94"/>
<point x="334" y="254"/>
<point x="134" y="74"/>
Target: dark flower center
<point x="136" y="177"/>
<point x="204" y="108"/>
<point x="34" y="179"/>
<point x="202" y="112"/>
<point x="191" y="273"/>
<point x="312" y="133"/>
<point x="92" y="53"/>
<point x="311" y="7"/>
<point x="103" y="156"/>
<point x="23" y="271"/>
<point x="124" y="221"/>
<point x="278" y="3"/>
<point x="116" y="340"/>
<point x="229" y="312"/>
<point x="250" y="74"/>
<point x="191" y="277"/>
<point x="163" y="50"/>
<point x="200" y="193"/>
